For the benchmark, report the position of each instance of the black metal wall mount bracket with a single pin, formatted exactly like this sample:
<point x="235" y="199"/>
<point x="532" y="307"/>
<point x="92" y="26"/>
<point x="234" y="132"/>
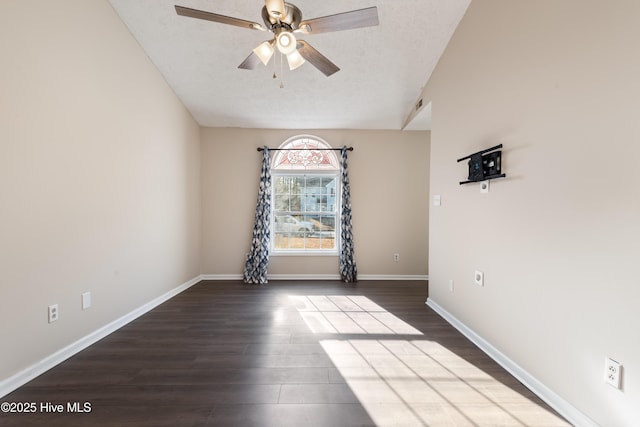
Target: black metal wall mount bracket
<point x="484" y="165"/>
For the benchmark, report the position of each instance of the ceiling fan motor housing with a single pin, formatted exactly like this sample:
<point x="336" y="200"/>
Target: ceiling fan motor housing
<point x="291" y="20"/>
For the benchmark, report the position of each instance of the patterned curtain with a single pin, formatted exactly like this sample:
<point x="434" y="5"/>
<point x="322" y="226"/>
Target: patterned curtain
<point x="348" y="269"/>
<point x="255" y="268"/>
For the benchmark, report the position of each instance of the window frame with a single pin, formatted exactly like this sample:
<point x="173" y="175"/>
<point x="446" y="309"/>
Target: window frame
<point x="306" y="172"/>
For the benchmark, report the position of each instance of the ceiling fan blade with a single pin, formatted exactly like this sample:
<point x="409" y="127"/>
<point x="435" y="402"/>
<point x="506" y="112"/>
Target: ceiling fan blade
<point x="316" y="59"/>
<point x="276" y="8"/>
<point x="214" y="17"/>
<point x="367" y="17"/>
<point x="251" y="62"/>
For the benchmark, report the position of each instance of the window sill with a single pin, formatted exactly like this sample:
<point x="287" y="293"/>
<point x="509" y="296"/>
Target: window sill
<point x="304" y="253"/>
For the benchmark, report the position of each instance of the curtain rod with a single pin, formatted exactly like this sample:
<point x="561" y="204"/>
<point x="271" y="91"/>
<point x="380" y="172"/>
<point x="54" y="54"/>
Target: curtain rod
<point x="296" y="149"/>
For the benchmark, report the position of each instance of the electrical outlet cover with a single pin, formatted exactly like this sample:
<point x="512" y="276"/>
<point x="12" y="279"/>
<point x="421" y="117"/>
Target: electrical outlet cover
<point x="54" y="313"/>
<point x="612" y="373"/>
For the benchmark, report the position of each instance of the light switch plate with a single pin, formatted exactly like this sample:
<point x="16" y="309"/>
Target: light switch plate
<point x="86" y="300"/>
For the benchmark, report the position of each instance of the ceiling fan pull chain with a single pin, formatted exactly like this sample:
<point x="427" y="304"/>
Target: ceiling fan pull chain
<point x="281" y="72"/>
<point x="274" y="68"/>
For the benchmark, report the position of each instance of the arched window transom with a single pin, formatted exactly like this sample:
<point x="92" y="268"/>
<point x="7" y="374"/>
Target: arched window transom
<point x="305" y="153"/>
<point x="305" y="197"/>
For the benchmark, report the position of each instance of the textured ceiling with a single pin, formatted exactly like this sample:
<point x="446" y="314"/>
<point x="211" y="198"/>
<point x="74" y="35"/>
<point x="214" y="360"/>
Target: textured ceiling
<point x="383" y="68"/>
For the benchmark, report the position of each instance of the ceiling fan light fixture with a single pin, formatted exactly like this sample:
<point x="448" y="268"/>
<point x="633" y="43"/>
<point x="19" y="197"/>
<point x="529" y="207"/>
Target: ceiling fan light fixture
<point x="264" y="51"/>
<point x="286" y="42"/>
<point x="295" y="60"/>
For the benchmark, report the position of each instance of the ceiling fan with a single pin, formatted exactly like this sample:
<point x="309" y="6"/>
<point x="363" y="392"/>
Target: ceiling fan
<point x="283" y="20"/>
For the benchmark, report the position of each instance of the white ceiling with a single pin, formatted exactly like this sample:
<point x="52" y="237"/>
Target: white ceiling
<point x="383" y="69"/>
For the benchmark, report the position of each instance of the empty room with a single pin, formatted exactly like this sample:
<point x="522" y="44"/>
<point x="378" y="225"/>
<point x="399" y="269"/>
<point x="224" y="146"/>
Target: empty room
<point x="364" y="213"/>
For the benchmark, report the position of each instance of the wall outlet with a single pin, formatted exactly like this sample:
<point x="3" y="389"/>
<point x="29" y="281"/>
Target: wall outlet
<point x="484" y="187"/>
<point x="396" y="257"/>
<point x="451" y="285"/>
<point x="613" y="373"/>
<point x="86" y="300"/>
<point x="54" y="313"/>
<point x="479" y="278"/>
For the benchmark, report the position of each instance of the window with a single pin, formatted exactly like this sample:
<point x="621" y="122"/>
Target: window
<point x="306" y="201"/>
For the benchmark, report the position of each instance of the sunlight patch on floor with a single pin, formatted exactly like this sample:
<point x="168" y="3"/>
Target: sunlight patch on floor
<point x="404" y="381"/>
<point x="341" y="314"/>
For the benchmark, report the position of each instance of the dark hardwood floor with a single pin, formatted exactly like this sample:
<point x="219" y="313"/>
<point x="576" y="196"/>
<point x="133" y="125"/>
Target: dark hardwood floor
<point x="285" y="354"/>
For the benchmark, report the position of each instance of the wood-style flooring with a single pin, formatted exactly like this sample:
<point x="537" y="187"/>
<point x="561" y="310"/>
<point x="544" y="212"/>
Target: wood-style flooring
<point x="287" y="354"/>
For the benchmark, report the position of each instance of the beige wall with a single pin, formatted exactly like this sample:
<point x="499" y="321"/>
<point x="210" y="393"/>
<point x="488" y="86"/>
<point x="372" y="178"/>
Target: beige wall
<point x="556" y="82"/>
<point x="389" y="184"/>
<point x="99" y="177"/>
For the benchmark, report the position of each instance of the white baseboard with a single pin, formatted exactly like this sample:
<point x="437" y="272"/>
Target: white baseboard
<point x="21" y="378"/>
<point x="564" y="408"/>
<point x="303" y="277"/>
<point x="221" y="277"/>
<point x="392" y="277"/>
<point x="315" y="277"/>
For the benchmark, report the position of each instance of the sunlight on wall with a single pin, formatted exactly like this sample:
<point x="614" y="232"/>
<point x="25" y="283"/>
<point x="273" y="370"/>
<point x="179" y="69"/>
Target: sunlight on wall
<point x="402" y="380"/>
